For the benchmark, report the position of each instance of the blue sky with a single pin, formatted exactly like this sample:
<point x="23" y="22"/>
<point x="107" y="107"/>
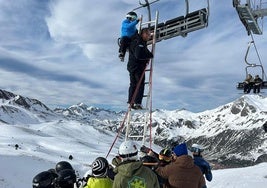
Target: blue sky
<point x="63" y="52"/>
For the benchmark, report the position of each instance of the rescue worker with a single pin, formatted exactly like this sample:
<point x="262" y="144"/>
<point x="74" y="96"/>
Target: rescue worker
<point x="131" y="172"/>
<point x="182" y="172"/>
<point x="139" y="56"/>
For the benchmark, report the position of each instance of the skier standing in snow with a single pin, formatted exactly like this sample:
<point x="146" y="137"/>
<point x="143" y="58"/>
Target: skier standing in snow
<point x="63" y="176"/>
<point x="66" y="177"/>
<point x="139" y="56"/>
<point x="131" y="172"/>
<point x="204" y="166"/>
<point x="99" y="178"/>
<point x="164" y="157"/>
<point x="182" y="172"/>
<point x="44" y="179"/>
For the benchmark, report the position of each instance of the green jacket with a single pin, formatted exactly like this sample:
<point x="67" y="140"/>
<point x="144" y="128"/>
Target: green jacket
<point x="132" y="174"/>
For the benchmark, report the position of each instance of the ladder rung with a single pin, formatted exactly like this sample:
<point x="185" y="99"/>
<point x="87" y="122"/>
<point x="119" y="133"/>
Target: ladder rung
<point x="143" y="109"/>
<point x="133" y="122"/>
<point x="135" y="136"/>
<point x="149" y="22"/>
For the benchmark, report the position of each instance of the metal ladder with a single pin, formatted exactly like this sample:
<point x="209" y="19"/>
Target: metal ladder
<point x="138" y="121"/>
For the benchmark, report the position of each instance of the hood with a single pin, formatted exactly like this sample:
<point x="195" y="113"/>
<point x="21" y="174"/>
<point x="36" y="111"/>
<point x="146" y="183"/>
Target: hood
<point x="129" y="168"/>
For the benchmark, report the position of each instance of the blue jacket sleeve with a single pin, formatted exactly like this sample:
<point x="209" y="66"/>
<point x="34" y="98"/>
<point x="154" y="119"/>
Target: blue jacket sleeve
<point x="204" y="167"/>
<point x="208" y="174"/>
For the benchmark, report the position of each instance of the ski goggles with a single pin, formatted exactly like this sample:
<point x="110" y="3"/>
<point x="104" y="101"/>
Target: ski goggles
<point x="165" y="158"/>
<point x="131" y="17"/>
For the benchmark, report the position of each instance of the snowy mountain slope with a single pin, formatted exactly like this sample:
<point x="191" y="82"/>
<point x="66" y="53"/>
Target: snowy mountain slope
<point x="15" y="109"/>
<point x="232" y="133"/>
<point x="41" y="146"/>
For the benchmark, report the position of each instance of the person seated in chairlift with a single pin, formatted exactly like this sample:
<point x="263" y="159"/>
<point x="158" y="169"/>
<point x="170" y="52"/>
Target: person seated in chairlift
<point x="248" y="83"/>
<point x="257" y="84"/>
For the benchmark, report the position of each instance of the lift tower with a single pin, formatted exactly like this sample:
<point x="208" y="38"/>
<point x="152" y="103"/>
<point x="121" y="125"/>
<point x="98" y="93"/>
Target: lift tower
<point x="249" y="12"/>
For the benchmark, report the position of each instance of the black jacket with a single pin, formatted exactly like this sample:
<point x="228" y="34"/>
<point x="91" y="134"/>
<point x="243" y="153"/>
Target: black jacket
<point x="139" y="55"/>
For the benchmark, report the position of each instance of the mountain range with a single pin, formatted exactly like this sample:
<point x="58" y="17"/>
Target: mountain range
<point x="232" y="134"/>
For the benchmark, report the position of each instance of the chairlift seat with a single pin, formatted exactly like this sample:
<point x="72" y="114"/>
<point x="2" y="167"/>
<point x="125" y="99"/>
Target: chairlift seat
<point x="174" y="21"/>
<point x="240" y="85"/>
<point x="196" y="20"/>
<point x="264" y="85"/>
<point x="197" y="13"/>
<point x="160" y="26"/>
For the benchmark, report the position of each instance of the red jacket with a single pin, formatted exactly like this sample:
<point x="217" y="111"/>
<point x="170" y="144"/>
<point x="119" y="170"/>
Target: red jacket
<point x="182" y="173"/>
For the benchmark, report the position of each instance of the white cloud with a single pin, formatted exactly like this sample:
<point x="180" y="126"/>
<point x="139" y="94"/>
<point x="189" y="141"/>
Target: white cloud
<point x="75" y="46"/>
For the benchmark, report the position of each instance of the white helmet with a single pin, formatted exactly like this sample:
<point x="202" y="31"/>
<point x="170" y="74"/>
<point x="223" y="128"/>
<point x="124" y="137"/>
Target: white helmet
<point x="128" y="151"/>
<point x="197" y="148"/>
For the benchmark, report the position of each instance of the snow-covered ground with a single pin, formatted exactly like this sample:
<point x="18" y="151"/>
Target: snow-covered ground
<point x="41" y="146"/>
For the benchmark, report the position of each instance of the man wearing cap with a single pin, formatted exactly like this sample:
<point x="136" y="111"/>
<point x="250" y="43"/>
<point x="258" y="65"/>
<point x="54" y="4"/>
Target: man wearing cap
<point x="182" y="172"/>
<point x="131" y="172"/>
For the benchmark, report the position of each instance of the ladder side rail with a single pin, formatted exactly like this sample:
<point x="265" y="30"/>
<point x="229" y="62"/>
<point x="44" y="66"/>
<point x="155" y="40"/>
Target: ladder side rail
<point x="128" y="123"/>
<point x="148" y="120"/>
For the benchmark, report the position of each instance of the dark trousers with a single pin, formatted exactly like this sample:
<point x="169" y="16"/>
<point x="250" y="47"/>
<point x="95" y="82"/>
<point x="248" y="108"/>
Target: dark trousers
<point x="256" y="88"/>
<point x="248" y="87"/>
<point x="135" y="76"/>
<point x="124" y="44"/>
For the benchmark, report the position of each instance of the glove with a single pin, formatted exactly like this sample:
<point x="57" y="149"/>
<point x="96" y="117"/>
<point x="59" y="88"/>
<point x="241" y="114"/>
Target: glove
<point x="144" y="149"/>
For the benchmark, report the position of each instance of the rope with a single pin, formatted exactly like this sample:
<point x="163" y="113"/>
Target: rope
<point x="252" y="38"/>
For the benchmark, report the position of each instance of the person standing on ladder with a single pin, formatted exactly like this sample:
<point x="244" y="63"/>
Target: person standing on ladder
<point x="139" y="56"/>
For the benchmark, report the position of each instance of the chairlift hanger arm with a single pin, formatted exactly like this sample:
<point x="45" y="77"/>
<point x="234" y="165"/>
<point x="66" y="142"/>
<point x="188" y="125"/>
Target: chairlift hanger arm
<point x="147" y="3"/>
<point x="246" y="56"/>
